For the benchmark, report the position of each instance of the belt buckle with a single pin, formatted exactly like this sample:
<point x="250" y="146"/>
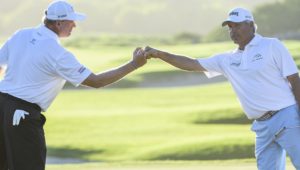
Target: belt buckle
<point x="267" y="115"/>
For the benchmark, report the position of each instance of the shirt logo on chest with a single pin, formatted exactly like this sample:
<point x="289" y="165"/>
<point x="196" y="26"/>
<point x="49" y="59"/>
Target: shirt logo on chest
<point x="235" y="63"/>
<point x="33" y="41"/>
<point x="257" y="57"/>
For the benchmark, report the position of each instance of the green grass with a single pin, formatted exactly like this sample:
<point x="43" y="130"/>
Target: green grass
<point x="106" y="57"/>
<point x="165" y="165"/>
<point x="149" y="124"/>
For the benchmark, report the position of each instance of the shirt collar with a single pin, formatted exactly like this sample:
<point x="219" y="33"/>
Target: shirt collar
<point x="43" y="30"/>
<point x="255" y="40"/>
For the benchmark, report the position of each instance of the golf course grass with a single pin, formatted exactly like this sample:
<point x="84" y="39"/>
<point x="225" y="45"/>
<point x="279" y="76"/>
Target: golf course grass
<point x="158" y="128"/>
<point x="166" y="165"/>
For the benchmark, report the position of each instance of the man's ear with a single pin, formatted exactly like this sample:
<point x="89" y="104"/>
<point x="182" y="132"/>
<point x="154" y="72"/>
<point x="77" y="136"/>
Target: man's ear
<point x="56" y="27"/>
<point x="252" y="24"/>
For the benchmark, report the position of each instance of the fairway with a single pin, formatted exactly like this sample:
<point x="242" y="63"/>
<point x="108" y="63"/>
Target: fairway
<point x="189" y="123"/>
<point x="168" y="124"/>
<point x="149" y="85"/>
<point x="216" y="165"/>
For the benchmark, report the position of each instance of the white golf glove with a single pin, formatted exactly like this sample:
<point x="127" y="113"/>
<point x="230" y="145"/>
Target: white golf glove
<point x="18" y="115"/>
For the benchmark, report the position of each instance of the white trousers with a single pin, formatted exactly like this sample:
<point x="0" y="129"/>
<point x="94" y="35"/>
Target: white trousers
<point x="277" y="136"/>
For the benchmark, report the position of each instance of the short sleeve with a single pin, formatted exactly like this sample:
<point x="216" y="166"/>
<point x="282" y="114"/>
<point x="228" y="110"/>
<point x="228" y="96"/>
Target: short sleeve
<point x="283" y="59"/>
<point x="70" y="69"/>
<point x="4" y="52"/>
<point x="212" y="65"/>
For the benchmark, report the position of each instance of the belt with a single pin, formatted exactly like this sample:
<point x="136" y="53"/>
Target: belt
<point x="33" y="105"/>
<point x="267" y="115"/>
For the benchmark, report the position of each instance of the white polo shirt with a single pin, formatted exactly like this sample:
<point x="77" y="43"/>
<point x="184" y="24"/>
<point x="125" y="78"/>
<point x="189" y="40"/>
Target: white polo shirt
<point x="257" y="75"/>
<point x="38" y="66"/>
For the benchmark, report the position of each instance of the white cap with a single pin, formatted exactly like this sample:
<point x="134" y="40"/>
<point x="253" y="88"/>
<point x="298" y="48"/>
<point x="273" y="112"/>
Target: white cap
<point x="238" y="15"/>
<point x="62" y="10"/>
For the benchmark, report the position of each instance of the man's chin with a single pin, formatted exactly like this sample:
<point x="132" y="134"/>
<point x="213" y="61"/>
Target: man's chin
<point x="65" y="36"/>
<point x="235" y="41"/>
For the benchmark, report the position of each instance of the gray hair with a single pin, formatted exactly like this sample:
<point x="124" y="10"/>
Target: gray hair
<point x="254" y="25"/>
<point x="47" y="21"/>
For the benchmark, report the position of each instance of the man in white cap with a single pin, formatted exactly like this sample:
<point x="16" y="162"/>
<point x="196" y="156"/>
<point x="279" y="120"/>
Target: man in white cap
<point x="37" y="69"/>
<point x="265" y="78"/>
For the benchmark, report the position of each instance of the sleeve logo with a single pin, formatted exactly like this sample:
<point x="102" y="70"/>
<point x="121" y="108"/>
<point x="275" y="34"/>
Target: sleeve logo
<point x="81" y="70"/>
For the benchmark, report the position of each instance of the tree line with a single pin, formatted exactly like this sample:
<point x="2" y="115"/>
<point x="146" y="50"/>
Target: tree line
<point x="279" y="19"/>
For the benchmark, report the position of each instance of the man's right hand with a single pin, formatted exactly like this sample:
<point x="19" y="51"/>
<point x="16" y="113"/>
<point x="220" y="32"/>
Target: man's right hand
<point x="138" y="59"/>
<point x="152" y="52"/>
<point x="179" y="61"/>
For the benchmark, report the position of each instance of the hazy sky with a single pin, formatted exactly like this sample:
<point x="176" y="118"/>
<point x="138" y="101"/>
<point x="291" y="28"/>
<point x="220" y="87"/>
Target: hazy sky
<point x="151" y="17"/>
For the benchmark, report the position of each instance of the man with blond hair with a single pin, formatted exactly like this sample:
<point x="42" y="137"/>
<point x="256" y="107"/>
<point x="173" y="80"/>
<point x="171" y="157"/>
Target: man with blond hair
<point x="37" y="69"/>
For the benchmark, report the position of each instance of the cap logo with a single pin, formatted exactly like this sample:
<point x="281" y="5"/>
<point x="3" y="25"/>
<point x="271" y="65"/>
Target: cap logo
<point x="61" y="10"/>
<point x="62" y="16"/>
<point x="234" y="13"/>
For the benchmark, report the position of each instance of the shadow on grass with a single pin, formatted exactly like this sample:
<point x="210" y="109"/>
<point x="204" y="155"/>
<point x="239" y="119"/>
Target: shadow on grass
<point x="226" y="116"/>
<point x="176" y="78"/>
<point x="124" y="83"/>
<point x="220" y="152"/>
<point x="65" y="152"/>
